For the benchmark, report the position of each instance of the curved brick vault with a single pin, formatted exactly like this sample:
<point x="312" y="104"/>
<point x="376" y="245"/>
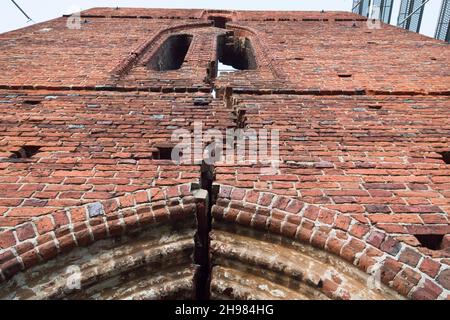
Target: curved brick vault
<point x="361" y="193"/>
<point x="138" y="246"/>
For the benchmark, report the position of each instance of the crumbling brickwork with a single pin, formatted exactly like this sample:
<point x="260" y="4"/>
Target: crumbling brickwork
<point x="357" y="208"/>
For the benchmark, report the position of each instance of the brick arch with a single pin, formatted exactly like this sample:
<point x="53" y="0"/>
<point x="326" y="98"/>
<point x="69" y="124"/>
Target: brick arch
<point x="249" y="226"/>
<point x="145" y="50"/>
<point x="138" y="53"/>
<point x="401" y="267"/>
<point x="254" y="265"/>
<point x="150" y="232"/>
<point x="262" y="51"/>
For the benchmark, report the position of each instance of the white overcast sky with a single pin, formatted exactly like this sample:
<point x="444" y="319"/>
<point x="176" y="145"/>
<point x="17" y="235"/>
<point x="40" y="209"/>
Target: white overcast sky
<point x="41" y="10"/>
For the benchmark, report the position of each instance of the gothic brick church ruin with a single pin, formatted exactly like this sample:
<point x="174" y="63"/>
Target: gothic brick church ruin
<point x="92" y="205"/>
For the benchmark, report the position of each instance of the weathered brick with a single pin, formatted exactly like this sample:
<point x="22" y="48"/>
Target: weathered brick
<point x="311" y="212"/>
<point x="161" y="214"/>
<point x="320" y="237"/>
<point x="48" y="250"/>
<point x="83" y="236"/>
<point x="252" y="196"/>
<point x="389" y="270"/>
<point x="444" y="278"/>
<point x="326" y="216"/>
<point x="375" y="238"/>
<point x="335" y="245"/>
<point x="266" y="199"/>
<point x="373" y="208"/>
<point x="294" y="206"/>
<point x="281" y="202"/>
<point x="44" y="224"/>
<point x="25" y="232"/>
<point x="60" y="219"/>
<point x="78" y="214"/>
<point x="7" y="239"/>
<point x="430" y="267"/>
<point x="359" y="230"/>
<point x="391" y="246"/>
<point x="288" y="229"/>
<point x="410" y="257"/>
<point x="237" y="194"/>
<point x="66" y="243"/>
<point x="95" y="210"/>
<point x="30" y="259"/>
<point x="24" y="247"/>
<point x="350" y="250"/>
<point x="6" y="256"/>
<point x="225" y="192"/>
<point x="275" y="225"/>
<point x="10" y="268"/>
<point x="127" y="201"/>
<point x="99" y="232"/>
<point x="428" y="291"/>
<point x="405" y="281"/>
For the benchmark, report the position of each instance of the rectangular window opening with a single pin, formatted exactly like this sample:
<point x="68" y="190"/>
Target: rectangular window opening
<point x="235" y="53"/>
<point x="163" y="153"/>
<point x="171" y="54"/>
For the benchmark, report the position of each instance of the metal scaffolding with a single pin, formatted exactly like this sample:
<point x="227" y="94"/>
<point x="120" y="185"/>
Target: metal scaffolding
<point x="411" y="14"/>
<point x="361" y="7"/>
<point x="443" y="27"/>
<point x="375" y="9"/>
<point x="21" y="10"/>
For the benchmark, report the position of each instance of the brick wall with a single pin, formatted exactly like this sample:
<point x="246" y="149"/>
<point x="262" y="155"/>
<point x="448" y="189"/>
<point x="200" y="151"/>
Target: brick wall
<point x="363" y="118"/>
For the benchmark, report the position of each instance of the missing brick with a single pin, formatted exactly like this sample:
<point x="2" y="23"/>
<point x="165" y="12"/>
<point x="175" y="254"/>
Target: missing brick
<point x="32" y="102"/>
<point x="344" y="75"/>
<point x="445" y="156"/>
<point x="25" y="152"/>
<point x="431" y="241"/>
<point x="375" y="107"/>
<point x="163" y="153"/>
<point x="199" y="101"/>
<point x="219" y="22"/>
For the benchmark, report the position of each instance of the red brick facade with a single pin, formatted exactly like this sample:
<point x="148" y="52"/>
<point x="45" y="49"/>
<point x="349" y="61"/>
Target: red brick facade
<point x="364" y="124"/>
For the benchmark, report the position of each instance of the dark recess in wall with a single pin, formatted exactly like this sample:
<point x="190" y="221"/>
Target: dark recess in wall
<point x="219" y="22"/>
<point x="25" y="152"/>
<point x="445" y="156"/>
<point x="170" y="55"/>
<point x="430" y="241"/>
<point x="236" y="52"/>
